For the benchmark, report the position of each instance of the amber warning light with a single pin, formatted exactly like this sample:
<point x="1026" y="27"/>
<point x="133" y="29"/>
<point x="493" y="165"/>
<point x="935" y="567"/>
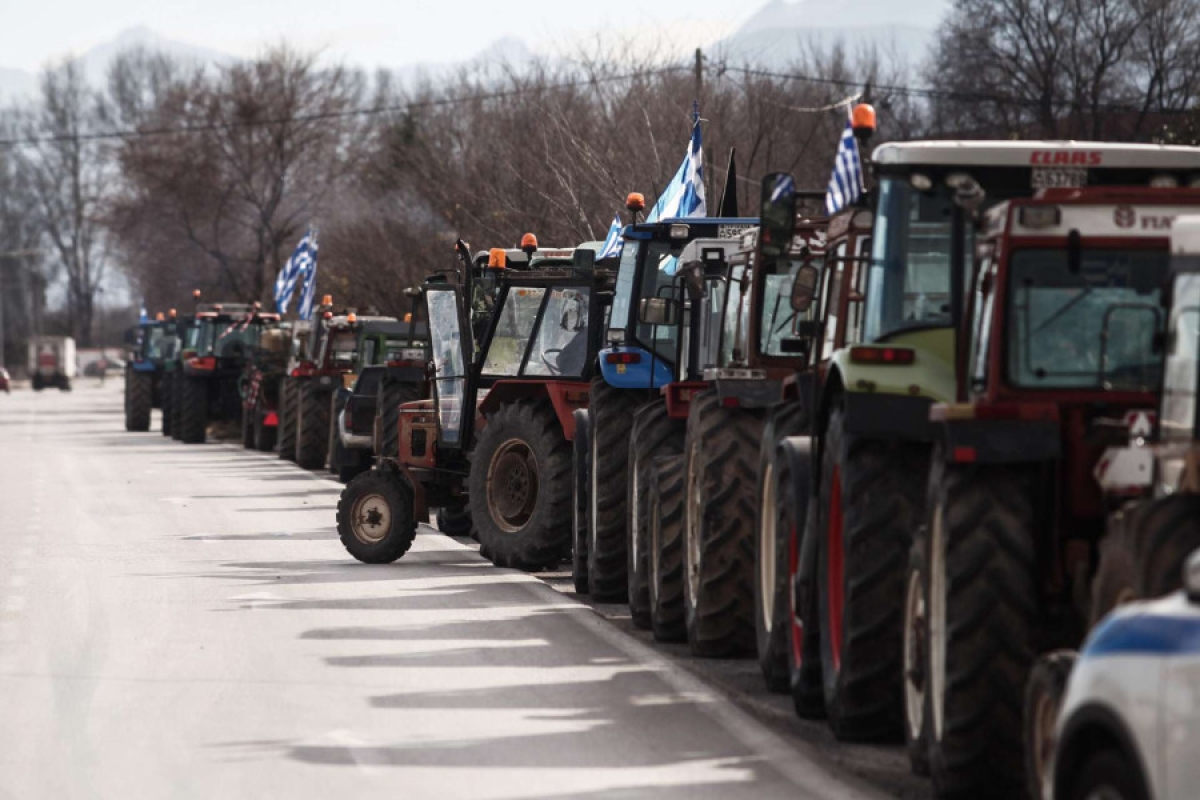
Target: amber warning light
<point x="635" y="202"/>
<point x="862" y="119"/>
<point x="497" y="258"/>
<point x="529" y="243"/>
<point x="327" y="300"/>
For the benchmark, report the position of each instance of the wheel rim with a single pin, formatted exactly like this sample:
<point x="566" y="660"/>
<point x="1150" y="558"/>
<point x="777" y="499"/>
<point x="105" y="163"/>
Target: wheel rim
<point x="766" y="548"/>
<point x="512" y="485"/>
<point x="372" y="516"/>
<point x="914" y="669"/>
<point x="835" y="569"/>
<point x="692" y="572"/>
<point x="634" y="522"/>
<point x="1045" y="719"/>
<point x="652" y="526"/>
<point x="793" y="606"/>
<point x="937" y="621"/>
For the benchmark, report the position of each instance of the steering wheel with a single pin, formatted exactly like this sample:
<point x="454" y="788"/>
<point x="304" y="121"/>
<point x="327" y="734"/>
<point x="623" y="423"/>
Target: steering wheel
<point x="556" y="352"/>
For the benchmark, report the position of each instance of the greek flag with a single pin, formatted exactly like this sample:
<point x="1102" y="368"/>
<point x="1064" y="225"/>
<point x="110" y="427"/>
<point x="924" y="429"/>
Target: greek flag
<point x="142" y="315"/>
<point x="612" y="242"/>
<point x="684" y="195"/>
<point x="307" y="293"/>
<point x="296" y="267"/>
<point x="846" y="185"/>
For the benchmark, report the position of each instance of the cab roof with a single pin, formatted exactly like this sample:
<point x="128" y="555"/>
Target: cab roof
<point x="1037" y="153"/>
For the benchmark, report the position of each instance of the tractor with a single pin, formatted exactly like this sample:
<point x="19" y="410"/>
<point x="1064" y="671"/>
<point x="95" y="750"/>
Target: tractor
<point x="636" y="361"/>
<point x="496" y="433"/>
<point x="213" y="358"/>
<point x="1057" y="358"/>
<point x="151" y="344"/>
<point x="260" y="387"/>
<point x="289" y="390"/>
<point x="872" y="436"/>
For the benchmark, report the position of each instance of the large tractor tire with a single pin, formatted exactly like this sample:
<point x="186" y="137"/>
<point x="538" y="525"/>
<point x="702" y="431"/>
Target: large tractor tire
<point x="454" y="520"/>
<point x="520" y="486"/>
<point x="193" y="414"/>
<point x="248" y="415"/>
<point x="264" y="435"/>
<point x="375" y="517"/>
<point x="804" y="635"/>
<point x="580" y="463"/>
<point x="982" y="616"/>
<point x="654" y="435"/>
<point x="610" y="411"/>
<point x="139" y="400"/>
<point x="391" y="395"/>
<point x="721" y="459"/>
<point x="1168" y="532"/>
<point x="288" y="397"/>
<point x="666" y="529"/>
<point x="1044" y="694"/>
<point x="869" y="501"/>
<point x="312" y="430"/>
<point x="168" y="402"/>
<point x="771" y="548"/>
<point x="177" y="405"/>
<point x="38" y="382"/>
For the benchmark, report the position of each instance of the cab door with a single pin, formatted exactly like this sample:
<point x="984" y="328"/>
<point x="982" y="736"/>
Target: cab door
<point x="449" y="364"/>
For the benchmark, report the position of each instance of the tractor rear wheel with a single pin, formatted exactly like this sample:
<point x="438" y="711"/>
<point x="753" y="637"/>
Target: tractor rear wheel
<point x="520" y="486"/>
<point x="579" y="523"/>
<point x="870" y="498"/>
<point x="982" y="617"/>
<point x="391" y="395"/>
<point x="248" y="415"/>
<point x="654" y="434"/>
<point x="193" y="416"/>
<point x="375" y="517"/>
<point x="771" y="548"/>
<point x="264" y="435"/>
<point x="177" y="405"/>
<point x="804" y="635"/>
<point x="454" y="520"/>
<point x="288" y="397"/>
<point x="610" y="410"/>
<point x="1044" y="694"/>
<point x="664" y="519"/>
<point x="168" y="402"/>
<point x="721" y="451"/>
<point x="1168" y="532"/>
<point x="312" y="430"/>
<point x="139" y="399"/>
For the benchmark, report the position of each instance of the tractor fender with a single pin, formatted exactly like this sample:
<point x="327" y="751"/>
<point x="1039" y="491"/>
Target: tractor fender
<point x="649" y="372"/>
<point x="1034" y="437"/>
<point x="564" y="396"/>
<point x="798" y="450"/>
<point x="886" y="402"/>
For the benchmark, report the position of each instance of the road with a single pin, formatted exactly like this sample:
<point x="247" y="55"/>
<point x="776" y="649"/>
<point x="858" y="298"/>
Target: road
<point x="181" y="621"/>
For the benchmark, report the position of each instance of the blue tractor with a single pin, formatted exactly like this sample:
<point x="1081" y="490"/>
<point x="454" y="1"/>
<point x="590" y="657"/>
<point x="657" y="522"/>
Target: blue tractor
<point x="638" y="359"/>
<point x="149" y="344"/>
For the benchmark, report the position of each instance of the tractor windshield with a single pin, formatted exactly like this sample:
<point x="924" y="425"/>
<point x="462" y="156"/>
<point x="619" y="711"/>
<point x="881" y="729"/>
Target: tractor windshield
<point x="561" y="345"/>
<point x="155" y="337"/>
<point x="514" y="329"/>
<point x="343" y="347"/>
<point x="1178" y="417"/>
<point x="1091" y="328"/>
<point x="659" y="264"/>
<point x="779" y="320"/>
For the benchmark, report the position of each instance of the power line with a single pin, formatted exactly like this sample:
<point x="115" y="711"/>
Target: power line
<point x="500" y="94"/>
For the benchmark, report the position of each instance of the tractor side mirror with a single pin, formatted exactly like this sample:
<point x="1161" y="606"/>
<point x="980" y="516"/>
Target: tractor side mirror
<point x="804" y="288"/>
<point x="800" y="342"/>
<point x="777" y="213"/>
<point x="584" y="259"/>
<point x="658" y="311"/>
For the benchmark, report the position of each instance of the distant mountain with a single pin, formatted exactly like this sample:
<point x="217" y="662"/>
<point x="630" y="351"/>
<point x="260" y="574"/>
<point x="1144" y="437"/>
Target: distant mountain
<point x="97" y="60"/>
<point x="16" y="84"/>
<point x="782" y="30"/>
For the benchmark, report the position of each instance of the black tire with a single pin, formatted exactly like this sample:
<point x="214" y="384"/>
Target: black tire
<point x="288" y="397"/>
<point x="654" y="434"/>
<point x="312" y="430"/>
<point x="1168" y="531"/>
<point x="168" y="402"/>
<point x="64" y="383"/>
<point x="454" y="521"/>
<point x="264" y="435"/>
<point x="391" y="395"/>
<point x="1044" y="695"/>
<point x="579" y="523"/>
<point x="139" y="400"/>
<point x="721" y="451"/>
<point x="804" y="635"/>
<point x="915" y="656"/>
<point x="177" y="405"/>
<point x="248" y="415"/>
<point x="869" y="501"/>
<point x="609" y="410"/>
<point x="983" y="593"/>
<point x="520" y="486"/>
<point x="1110" y="774"/>
<point x="37" y="383"/>
<point x="375" y="517"/>
<point x="193" y="416"/>
<point x="771" y="622"/>
<point x="666" y="524"/>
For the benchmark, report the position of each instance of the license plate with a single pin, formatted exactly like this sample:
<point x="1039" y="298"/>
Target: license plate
<point x="727" y="231"/>
<point x="1059" y="177"/>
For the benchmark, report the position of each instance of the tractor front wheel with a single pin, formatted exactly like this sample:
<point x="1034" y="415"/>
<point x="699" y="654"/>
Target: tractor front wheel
<point x="520" y="486"/>
<point x="193" y="416"/>
<point x="312" y="432"/>
<point x="288" y="397"/>
<point x="375" y="517"/>
<point x="139" y="399"/>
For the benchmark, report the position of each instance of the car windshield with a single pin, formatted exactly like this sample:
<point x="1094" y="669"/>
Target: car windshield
<point x="1092" y="328"/>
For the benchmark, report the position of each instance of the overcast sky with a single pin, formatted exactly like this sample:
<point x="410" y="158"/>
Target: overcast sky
<point x="370" y="33"/>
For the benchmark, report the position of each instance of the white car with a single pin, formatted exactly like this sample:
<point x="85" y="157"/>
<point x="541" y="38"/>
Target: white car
<point x="1129" y="728"/>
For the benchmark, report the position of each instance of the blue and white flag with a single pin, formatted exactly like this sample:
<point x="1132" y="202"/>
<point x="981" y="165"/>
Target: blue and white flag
<point x="309" y="290"/>
<point x="612" y="242"/>
<point x="142" y="315"/>
<point x="684" y="195"/>
<point x="846" y="185"/>
<point x="304" y="256"/>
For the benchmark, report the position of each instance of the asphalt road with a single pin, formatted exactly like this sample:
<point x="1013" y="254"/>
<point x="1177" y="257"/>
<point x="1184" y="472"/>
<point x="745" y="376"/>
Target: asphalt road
<point x="181" y="621"/>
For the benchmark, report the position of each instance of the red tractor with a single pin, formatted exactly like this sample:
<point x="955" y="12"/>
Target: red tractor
<point x="1058" y="352"/>
<point x="506" y="400"/>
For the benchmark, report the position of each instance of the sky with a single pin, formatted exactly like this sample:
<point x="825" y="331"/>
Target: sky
<point x="369" y="33"/>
